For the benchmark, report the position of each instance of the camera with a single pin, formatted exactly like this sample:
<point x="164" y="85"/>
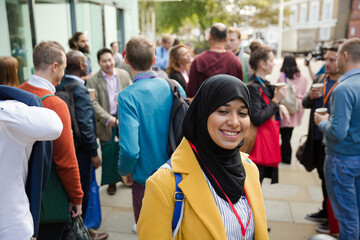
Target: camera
<point x="317" y="53"/>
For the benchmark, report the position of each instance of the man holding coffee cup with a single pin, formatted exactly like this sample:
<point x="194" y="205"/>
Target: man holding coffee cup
<point x="342" y="140"/>
<point x="86" y="152"/>
<point x="314" y="152"/>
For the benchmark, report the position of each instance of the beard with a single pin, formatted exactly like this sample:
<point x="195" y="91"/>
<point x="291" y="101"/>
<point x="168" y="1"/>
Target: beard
<point x="83" y="50"/>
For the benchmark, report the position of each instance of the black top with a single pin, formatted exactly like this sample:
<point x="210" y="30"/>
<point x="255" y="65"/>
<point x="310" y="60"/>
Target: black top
<point x="179" y="78"/>
<point x="260" y="112"/>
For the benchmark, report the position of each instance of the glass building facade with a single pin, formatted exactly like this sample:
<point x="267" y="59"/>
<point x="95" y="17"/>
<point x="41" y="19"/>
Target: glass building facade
<point x="24" y="23"/>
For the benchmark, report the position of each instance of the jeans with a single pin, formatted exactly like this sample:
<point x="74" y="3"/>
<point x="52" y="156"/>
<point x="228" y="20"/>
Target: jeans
<point x="342" y="176"/>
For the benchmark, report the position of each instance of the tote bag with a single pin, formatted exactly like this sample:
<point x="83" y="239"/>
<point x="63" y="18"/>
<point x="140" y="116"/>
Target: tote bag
<point x="93" y="212"/>
<point x="110" y="156"/>
<point x="266" y="149"/>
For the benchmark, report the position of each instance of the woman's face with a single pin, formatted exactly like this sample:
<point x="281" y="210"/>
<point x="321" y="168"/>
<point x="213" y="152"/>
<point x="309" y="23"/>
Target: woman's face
<point x="228" y="124"/>
<point x="183" y="56"/>
<point x="269" y="64"/>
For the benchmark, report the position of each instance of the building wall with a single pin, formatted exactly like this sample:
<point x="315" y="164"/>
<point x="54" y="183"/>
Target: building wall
<point x="5" y="49"/>
<point x="354" y="23"/>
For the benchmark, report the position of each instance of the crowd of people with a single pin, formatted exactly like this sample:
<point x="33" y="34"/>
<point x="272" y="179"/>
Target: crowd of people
<point x="236" y="132"/>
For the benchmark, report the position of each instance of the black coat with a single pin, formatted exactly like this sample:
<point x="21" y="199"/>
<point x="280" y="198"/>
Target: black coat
<point x="260" y="112"/>
<point x="179" y="78"/>
<point x="307" y="158"/>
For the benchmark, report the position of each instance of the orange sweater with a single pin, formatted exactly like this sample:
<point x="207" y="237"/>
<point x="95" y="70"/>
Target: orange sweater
<point x="64" y="155"/>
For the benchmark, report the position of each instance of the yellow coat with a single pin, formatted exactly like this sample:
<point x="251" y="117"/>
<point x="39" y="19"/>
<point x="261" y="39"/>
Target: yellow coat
<point x="202" y="219"/>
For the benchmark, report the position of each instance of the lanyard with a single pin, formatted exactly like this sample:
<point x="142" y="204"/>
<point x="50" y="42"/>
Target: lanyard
<point x="243" y="230"/>
<point x="145" y="77"/>
<point x="326" y="96"/>
<point x="261" y="81"/>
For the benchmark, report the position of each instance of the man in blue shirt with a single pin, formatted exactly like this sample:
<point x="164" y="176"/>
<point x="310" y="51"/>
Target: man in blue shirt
<point x="144" y="116"/>
<point x="162" y="52"/>
<point x="342" y="141"/>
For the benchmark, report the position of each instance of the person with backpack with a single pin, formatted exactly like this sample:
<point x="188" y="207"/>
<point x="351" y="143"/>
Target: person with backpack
<point x="296" y="84"/>
<point x="62" y="195"/>
<point x="73" y="91"/>
<point x="144" y="112"/>
<point x="219" y="187"/>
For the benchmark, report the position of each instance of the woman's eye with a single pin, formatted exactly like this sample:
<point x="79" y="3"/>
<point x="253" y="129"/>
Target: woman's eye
<point x="243" y="114"/>
<point x="222" y="111"/>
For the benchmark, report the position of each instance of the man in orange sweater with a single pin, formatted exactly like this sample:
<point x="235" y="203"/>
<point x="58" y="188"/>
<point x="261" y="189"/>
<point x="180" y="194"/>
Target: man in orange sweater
<point x="49" y="63"/>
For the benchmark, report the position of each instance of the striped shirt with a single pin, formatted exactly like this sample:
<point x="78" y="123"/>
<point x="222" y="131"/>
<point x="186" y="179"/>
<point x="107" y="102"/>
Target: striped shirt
<point x="232" y="225"/>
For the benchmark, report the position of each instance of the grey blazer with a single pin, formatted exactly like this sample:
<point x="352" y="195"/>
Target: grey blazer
<point x="101" y="103"/>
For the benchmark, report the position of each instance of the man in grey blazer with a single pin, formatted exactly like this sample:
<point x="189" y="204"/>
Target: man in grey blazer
<point x="108" y="82"/>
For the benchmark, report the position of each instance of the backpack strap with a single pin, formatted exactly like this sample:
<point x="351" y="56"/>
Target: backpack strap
<point x="45" y="96"/>
<point x="179" y="203"/>
<point x="244" y="69"/>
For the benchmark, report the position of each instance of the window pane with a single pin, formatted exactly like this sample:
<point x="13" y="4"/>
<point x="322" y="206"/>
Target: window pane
<point x="20" y="36"/>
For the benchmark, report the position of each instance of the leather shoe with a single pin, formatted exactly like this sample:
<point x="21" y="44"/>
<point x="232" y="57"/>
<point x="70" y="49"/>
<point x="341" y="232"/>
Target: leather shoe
<point x="98" y="235"/>
<point x="111" y="190"/>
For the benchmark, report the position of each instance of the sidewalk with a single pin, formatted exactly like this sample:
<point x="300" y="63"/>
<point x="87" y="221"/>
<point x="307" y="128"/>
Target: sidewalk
<point x="286" y="203"/>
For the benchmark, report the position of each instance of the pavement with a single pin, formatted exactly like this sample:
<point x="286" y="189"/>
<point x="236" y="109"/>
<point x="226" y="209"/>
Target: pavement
<point x="286" y="203"/>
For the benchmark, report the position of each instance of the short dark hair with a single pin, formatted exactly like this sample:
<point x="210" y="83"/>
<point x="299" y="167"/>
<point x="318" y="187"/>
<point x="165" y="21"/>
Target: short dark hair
<point x="75" y="38"/>
<point x="218" y="32"/>
<point x="46" y="53"/>
<point x="140" y="52"/>
<point x="333" y="49"/>
<point x="111" y="44"/>
<point x="73" y="60"/>
<point x="103" y="51"/>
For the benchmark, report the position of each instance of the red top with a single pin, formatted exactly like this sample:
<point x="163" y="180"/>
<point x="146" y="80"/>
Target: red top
<point x="64" y="155"/>
<point x="210" y="63"/>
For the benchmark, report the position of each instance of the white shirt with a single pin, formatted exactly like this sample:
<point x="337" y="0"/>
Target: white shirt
<point x="40" y="82"/>
<point x="231" y="224"/>
<point x="20" y="127"/>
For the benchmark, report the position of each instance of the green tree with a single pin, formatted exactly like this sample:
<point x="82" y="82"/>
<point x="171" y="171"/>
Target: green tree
<point x="171" y="16"/>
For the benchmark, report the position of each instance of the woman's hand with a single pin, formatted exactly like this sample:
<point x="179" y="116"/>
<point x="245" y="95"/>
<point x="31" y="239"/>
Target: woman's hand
<point x="284" y="113"/>
<point x="279" y="94"/>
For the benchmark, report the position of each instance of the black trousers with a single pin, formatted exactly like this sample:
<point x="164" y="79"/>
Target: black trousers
<point x="286" y="150"/>
<point x="51" y="231"/>
<point x="319" y="155"/>
<point x="84" y="162"/>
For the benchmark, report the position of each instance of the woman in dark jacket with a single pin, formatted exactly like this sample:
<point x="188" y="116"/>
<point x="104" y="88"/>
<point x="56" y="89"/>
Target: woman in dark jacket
<point x="179" y="64"/>
<point x="262" y="62"/>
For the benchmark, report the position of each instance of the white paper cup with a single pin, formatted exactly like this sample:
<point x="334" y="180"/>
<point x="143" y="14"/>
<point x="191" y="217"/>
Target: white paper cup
<point x="318" y="85"/>
<point x="280" y="85"/>
<point x="322" y="111"/>
<point x="91" y="93"/>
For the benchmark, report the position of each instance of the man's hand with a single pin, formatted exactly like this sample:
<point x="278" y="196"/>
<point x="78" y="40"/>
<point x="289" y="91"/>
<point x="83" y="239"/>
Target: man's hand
<point x="315" y="93"/>
<point x="319" y="117"/>
<point x="96" y="161"/>
<point x="75" y="210"/>
<point x="127" y="180"/>
<point x="112" y="122"/>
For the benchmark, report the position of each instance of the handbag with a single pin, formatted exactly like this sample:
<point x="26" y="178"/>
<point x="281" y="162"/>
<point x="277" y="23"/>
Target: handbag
<point x="300" y="150"/>
<point x="290" y="101"/>
<point x="78" y="230"/>
<point x="92" y="217"/>
<point x="266" y="151"/>
<point x="110" y="156"/>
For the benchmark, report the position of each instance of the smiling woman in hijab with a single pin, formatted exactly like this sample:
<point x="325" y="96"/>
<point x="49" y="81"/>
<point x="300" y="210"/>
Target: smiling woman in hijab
<point x="223" y="198"/>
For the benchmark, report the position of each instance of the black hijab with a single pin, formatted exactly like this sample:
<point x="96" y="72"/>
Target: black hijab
<point x="224" y="164"/>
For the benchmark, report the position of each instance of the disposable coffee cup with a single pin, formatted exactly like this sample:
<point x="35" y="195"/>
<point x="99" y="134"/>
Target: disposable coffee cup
<point x="280" y="85"/>
<point x="318" y="85"/>
<point x="322" y="111"/>
<point x="91" y="93"/>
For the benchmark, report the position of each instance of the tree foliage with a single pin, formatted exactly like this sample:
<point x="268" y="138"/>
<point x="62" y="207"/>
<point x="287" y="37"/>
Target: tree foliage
<point x="171" y="16"/>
